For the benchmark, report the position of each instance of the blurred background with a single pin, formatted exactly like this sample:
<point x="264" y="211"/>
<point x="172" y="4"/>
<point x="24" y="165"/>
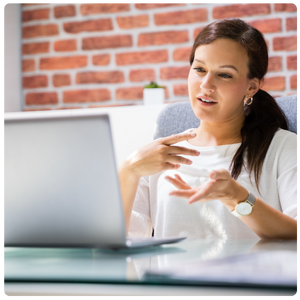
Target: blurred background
<point x="60" y="56"/>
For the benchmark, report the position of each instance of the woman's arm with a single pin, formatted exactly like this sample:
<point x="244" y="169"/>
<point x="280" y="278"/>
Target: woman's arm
<point x="264" y="220"/>
<point x="153" y="158"/>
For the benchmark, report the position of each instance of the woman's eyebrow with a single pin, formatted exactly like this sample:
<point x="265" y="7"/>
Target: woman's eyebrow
<point x="225" y="66"/>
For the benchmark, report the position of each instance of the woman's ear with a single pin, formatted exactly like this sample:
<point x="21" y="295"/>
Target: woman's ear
<point x="254" y="86"/>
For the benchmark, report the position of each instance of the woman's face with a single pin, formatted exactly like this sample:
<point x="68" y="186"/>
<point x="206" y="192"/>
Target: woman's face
<point x="219" y="74"/>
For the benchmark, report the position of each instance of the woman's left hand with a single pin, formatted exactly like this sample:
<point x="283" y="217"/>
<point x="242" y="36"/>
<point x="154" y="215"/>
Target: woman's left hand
<point x="220" y="186"/>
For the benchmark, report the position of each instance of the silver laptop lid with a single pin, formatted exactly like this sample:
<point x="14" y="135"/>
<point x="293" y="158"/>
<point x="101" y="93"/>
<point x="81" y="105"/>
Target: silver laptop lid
<point x="61" y="182"/>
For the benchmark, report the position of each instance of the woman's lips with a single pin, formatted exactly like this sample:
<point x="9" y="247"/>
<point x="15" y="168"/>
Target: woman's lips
<point x="205" y="98"/>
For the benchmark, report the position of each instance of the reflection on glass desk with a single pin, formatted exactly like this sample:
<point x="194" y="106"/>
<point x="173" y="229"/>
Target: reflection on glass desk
<point x="66" y="265"/>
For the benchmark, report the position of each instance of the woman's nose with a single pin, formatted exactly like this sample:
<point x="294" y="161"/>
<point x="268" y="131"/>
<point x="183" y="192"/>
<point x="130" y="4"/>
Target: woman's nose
<point x="207" y="84"/>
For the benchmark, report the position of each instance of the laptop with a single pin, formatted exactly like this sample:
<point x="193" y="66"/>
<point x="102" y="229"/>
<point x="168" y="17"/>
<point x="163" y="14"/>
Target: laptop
<point x="61" y="182"/>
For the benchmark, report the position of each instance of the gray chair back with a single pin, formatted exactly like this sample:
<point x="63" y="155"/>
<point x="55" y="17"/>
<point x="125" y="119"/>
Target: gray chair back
<point x="179" y="116"/>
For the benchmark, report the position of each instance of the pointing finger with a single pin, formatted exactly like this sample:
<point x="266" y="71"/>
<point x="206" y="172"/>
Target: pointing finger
<point x="178" y="138"/>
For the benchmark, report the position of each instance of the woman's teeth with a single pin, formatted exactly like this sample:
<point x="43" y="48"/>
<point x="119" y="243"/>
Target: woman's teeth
<point x="207" y="101"/>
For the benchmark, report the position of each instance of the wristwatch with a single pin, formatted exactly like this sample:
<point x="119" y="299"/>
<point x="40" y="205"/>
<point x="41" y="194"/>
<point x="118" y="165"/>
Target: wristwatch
<point x="244" y="208"/>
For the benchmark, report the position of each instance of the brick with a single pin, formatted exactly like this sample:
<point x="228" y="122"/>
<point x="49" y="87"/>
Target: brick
<point x="39" y="30"/>
<point x="144" y="57"/>
<point x="180" y="89"/>
<point x="293" y="82"/>
<point x="291" y="62"/>
<point x="100" y="77"/>
<point x="181" y="17"/>
<point x="174" y="73"/>
<point x="274" y="83"/>
<point x="275" y="63"/>
<point x="89" y="26"/>
<point x="41" y="98"/>
<point x="36" y="109"/>
<point x="291" y="24"/>
<point x="287" y="7"/>
<point x="34" y="15"/>
<point x="79" y="96"/>
<point x="142" y="75"/>
<point x="285" y="43"/>
<point x="197" y="31"/>
<point x="240" y="10"/>
<point x="68" y="107"/>
<point x="182" y="54"/>
<point x="28" y="65"/>
<point x="115" y="41"/>
<point x="267" y="25"/>
<point x="131" y="93"/>
<point x="65" y="45"/>
<point x="36" y="81"/>
<point x="111" y="105"/>
<point x="162" y="38"/>
<point x="133" y="21"/>
<point x="90" y="9"/>
<point x="61" y="80"/>
<point x="101" y="59"/>
<point x="31" y="4"/>
<point x="64" y="11"/>
<point x="155" y="5"/>
<point x="34" y="48"/>
<point x="66" y="62"/>
<point x="166" y="93"/>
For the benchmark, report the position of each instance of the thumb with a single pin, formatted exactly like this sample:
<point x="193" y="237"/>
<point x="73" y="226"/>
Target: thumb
<point x="221" y="174"/>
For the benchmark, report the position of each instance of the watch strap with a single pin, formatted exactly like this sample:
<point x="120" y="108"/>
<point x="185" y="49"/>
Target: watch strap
<point x="251" y="199"/>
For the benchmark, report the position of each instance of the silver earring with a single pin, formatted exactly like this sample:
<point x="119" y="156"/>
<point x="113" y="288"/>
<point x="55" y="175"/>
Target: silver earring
<point x="247" y="102"/>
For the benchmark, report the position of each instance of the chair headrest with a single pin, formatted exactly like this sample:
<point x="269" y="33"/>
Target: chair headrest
<point x="179" y="116"/>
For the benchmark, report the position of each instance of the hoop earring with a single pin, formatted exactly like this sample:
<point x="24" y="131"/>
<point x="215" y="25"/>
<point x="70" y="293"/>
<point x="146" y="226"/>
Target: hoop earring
<point x="246" y="100"/>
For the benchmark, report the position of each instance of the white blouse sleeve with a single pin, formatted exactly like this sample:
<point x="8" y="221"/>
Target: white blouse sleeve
<point x="140" y="221"/>
<point x="287" y="176"/>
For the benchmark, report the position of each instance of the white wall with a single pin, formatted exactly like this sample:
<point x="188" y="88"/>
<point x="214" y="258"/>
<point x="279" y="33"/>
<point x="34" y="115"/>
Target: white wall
<point x="12" y="58"/>
<point x="132" y="126"/>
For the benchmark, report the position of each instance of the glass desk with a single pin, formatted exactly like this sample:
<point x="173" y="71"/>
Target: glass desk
<point x="66" y="271"/>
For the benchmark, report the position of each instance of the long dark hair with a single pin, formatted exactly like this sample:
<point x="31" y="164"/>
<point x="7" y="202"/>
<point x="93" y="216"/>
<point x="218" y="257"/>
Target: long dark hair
<point x="263" y="117"/>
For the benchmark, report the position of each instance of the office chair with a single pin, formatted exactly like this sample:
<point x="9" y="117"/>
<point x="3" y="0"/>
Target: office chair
<point x="179" y="116"/>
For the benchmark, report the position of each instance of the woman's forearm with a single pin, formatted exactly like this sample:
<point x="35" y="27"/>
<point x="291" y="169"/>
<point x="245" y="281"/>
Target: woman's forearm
<point x="128" y="185"/>
<point x="266" y="221"/>
<point x="269" y="223"/>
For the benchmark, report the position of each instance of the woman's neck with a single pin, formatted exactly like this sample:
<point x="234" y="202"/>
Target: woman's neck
<point x="218" y="133"/>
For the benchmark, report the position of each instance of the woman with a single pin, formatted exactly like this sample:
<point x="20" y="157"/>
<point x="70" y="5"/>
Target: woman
<point x="238" y="169"/>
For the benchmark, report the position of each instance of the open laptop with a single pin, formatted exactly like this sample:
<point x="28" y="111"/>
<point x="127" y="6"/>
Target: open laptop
<point x="61" y="182"/>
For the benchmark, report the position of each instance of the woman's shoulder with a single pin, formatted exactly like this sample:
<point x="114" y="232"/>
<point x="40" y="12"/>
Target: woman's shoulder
<point x="282" y="136"/>
<point x="284" y="146"/>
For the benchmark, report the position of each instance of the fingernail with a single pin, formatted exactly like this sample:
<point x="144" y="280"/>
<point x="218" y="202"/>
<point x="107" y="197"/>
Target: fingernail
<point x="189" y="162"/>
<point x="197" y="152"/>
<point x="213" y="175"/>
<point x="192" y="134"/>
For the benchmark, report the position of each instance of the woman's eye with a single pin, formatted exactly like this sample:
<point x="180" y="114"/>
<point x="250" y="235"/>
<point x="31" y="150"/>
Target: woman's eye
<point x="225" y="76"/>
<point x="199" y="69"/>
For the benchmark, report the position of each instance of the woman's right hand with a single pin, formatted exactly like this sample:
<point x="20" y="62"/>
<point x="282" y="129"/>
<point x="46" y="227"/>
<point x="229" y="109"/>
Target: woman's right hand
<point x="160" y="155"/>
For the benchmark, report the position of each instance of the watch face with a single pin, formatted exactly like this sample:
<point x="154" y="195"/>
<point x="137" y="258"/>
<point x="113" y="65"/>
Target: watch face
<point x="243" y="209"/>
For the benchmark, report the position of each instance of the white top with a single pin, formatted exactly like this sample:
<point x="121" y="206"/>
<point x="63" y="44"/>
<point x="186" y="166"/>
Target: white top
<point x="173" y="216"/>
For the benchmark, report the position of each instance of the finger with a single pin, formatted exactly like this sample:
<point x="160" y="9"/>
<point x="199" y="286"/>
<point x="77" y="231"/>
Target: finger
<point x="178" y="138"/>
<point x="178" y="160"/>
<point x="182" y="150"/>
<point x="179" y="178"/>
<point x="178" y="183"/>
<point x="170" y="166"/>
<point x="221" y="174"/>
<point x="202" y="193"/>
<point x="183" y="193"/>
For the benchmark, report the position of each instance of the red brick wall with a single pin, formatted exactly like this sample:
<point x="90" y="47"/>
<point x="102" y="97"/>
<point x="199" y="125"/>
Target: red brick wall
<point x="90" y="55"/>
